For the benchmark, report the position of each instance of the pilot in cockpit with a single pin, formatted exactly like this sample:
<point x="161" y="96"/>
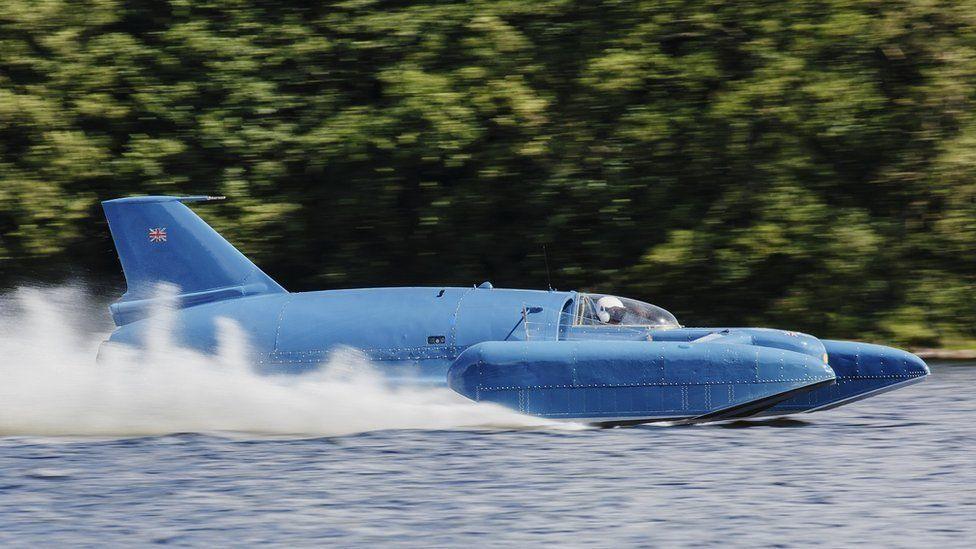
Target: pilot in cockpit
<point x="610" y="310"/>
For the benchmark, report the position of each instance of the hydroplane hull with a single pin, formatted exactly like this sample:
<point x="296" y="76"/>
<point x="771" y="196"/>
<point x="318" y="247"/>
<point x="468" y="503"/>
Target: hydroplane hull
<point x="568" y="355"/>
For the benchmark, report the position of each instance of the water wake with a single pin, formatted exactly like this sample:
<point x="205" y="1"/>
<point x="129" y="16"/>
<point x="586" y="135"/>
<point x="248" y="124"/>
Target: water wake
<point x="50" y="384"/>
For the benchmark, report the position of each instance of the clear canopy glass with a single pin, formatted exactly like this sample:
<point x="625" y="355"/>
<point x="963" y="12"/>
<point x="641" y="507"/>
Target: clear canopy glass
<point x="609" y="310"/>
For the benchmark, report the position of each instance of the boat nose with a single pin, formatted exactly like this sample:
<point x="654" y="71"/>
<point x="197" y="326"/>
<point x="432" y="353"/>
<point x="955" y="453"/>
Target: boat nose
<point x="901" y="363"/>
<point x="915" y="365"/>
<point x="865" y="362"/>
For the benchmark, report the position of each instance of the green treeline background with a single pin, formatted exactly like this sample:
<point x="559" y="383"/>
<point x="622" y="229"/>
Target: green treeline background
<point x="804" y="164"/>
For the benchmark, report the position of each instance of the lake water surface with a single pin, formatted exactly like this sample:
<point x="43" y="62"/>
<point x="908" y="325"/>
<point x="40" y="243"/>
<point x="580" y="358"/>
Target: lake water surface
<point x="894" y="470"/>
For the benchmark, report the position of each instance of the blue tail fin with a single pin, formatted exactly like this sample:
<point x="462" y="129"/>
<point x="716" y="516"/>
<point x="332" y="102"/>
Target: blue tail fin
<point x="161" y="241"/>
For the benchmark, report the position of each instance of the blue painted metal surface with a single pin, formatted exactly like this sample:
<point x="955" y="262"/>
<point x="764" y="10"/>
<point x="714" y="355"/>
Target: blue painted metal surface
<point x="622" y="380"/>
<point x="160" y="241"/>
<point x="862" y="370"/>
<point x="548" y="353"/>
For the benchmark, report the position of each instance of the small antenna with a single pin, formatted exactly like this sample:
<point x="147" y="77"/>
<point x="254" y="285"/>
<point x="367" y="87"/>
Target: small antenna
<point x="545" y="254"/>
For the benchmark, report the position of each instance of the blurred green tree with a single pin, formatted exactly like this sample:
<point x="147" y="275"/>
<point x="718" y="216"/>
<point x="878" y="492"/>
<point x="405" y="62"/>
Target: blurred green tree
<point x="800" y="163"/>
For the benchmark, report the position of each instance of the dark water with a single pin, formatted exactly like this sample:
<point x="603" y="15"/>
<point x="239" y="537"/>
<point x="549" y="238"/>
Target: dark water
<point x="895" y="470"/>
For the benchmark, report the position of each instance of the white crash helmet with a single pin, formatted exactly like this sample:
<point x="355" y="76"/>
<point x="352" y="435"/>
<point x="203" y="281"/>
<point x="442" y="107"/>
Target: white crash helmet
<point x="605" y="304"/>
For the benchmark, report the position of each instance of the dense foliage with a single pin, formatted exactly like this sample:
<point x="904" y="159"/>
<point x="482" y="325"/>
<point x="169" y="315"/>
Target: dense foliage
<point x="805" y="163"/>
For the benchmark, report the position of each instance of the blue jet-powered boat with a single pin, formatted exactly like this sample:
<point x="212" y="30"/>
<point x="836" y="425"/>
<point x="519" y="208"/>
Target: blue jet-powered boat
<point x="587" y="357"/>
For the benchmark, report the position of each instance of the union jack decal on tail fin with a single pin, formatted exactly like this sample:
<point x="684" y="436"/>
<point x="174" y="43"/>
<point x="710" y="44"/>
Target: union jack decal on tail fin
<point x="157" y="235"/>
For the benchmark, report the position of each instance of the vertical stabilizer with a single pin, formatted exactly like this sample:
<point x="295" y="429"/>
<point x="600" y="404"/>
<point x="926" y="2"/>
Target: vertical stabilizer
<point x="161" y="241"/>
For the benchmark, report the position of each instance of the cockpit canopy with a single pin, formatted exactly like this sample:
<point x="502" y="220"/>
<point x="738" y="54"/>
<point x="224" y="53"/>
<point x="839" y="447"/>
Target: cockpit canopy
<point x="609" y="310"/>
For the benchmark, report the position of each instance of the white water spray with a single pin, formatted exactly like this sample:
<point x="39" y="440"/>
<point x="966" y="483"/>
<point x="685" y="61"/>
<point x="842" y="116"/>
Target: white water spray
<point x="50" y="384"/>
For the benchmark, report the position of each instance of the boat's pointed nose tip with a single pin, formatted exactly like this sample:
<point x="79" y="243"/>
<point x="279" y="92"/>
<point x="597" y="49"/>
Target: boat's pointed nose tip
<point x="917" y="366"/>
<point x="908" y="364"/>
